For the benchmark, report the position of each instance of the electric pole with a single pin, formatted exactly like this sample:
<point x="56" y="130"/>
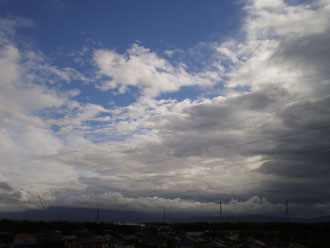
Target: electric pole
<point x="164" y="215"/>
<point x="42" y="204"/>
<point x="220" y="211"/>
<point x="97" y="214"/>
<point x="43" y="207"/>
<point x="286" y="208"/>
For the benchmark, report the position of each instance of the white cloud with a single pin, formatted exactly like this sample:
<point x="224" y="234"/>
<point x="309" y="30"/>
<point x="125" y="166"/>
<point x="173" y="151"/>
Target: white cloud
<point x="271" y="27"/>
<point x="160" y="148"/>
<point x="253" y="206"/>
<point x="26" y="95"/>
<point x="144" y="69"/>
<point x="274" y="81"/>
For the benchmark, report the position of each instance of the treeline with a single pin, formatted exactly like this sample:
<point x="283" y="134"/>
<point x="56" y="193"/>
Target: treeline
<point x="308" y="234"/>
<point x="323" y="227"/>
<point x="16" y="226"/>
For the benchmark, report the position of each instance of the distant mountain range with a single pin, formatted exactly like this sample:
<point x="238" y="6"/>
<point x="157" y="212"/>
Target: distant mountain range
<point x="88" y="214"/>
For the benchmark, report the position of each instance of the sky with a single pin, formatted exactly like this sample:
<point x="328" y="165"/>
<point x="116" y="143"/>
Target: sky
<point x="145" y="105"/>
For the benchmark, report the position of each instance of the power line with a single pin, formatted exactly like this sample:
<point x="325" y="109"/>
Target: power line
<point x="220" y="211"/>
<point x="290" y="105"/>
<point x="198" y="153"/>
<point x="229" y="186"/>
<point x="42" y="204"/>
<point x="246" y="184"/>
<point x="263" y="160"/>
<point x="212" y="150"/>
<point x="231" y="146"/>
<point x="243" y="184"/>
<point x="222" y="148"/>
<point x="286" y="208"/>
<point x="97" y="214"/>
<point x="284" y="155"/>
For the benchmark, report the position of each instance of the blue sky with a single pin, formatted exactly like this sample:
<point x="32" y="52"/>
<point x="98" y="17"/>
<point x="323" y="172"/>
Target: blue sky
<point x="135" y="104"/>
<point x="63" y="28"/>
<point x="117" y="24"/>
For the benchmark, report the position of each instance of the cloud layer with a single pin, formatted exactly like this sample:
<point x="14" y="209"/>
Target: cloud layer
<point x="268" y="122"/>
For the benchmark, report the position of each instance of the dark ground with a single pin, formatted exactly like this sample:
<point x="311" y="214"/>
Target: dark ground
<point x="307" y="234"/>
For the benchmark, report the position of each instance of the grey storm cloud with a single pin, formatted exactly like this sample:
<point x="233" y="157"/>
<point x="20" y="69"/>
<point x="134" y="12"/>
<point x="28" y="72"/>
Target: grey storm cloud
<point x="276" y="134"/>
<point x="252" y="147"/>
<point x="5" y="186"/>
<point x="11" y="198"/>
<point x="307" y="52"/>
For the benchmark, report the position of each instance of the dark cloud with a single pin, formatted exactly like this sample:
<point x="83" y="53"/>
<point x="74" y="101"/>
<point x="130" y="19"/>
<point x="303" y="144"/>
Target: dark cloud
<point x="5" y="186"/>
<point x="250" y="148"/>
<point x="269" y="141"/>
<point x="306" y="51"/>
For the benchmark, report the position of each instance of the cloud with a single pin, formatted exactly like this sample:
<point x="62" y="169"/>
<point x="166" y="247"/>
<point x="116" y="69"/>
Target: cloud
<point x="5" y="186"/>
<point x="252" y="206"/>
<point x="9" y="26"/>
<point x="281" y="62"/>
<point x="183" y="154"/>
<point x="145" y="70"/>
<point x="279" y="40"/>
<point x="29" y="104"/>
<point x="14" y="199"/>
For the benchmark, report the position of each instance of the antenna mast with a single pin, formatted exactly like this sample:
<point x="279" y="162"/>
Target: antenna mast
<point x="42" y="204"/>
<point x="97" y="214"/>
<point x="220" y="211"/>
<point x="286" y="208"/>
<point x="164" y="215"/>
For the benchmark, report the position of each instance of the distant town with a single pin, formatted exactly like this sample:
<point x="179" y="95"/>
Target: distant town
<point x="21" y="234"/>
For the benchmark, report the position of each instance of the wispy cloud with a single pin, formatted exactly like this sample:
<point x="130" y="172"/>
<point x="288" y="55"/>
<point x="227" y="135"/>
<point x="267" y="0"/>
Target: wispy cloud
<point x="274" y="82"/>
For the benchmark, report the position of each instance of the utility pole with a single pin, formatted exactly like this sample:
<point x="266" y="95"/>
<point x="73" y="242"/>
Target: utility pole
<point x="42" y="204"/>
<point x="220" y="211"/>
<point x="164" y="215"/>
<point x="97" y="214"/>
<point x="288" y="232"/>
<point x="286" y="208"/>
<point x="43" y="207"/>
